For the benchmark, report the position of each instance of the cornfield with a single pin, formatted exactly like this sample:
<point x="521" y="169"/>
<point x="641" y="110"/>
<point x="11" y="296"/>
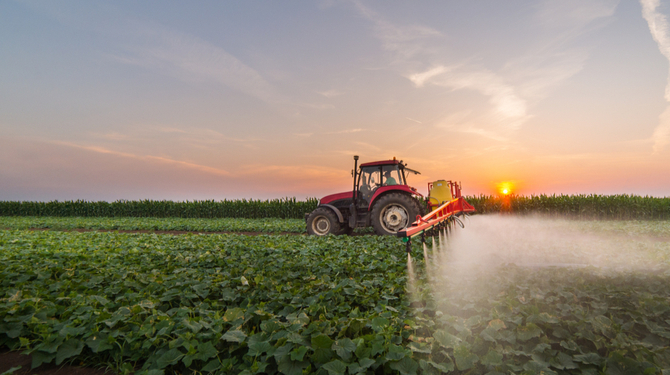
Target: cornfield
<point x="285" y="208"/>
<point x="592" y="206"/>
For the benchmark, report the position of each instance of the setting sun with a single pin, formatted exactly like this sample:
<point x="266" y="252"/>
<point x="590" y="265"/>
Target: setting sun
<point x="505" y="188"/>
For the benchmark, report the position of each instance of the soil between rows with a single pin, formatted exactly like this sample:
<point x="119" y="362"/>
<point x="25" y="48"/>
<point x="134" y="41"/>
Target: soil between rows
<point x="178" y="232"/>
<point x="9" y="360"/>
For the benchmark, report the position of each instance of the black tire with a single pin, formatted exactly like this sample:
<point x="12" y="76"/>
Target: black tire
<point x="394" y="212"/>
<point x="322" y="221"/>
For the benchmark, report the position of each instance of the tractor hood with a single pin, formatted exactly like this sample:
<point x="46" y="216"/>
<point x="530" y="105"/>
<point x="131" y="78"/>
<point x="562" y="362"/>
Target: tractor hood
<point x="336" y="197"/>
<point x="328" y="199"/>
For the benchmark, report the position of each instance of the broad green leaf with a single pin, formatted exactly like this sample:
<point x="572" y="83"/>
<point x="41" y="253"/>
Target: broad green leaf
<point x="206" y="351"/>
<point x="169" y="358"/>
<point x="270" y="326"/>
<point x="321" y="355"/>
<point x="527" y="332"/>
<point x="565" y="362"/>
<point x="11" y="370"/>
<point x="419" y="347"/>
<point x="569" y="345"/>
<point x="13" y="330"/>
<point x="379" y="323"/>
<point x="395" y="353"/>
<point x="289" y="367"/>
<point x="69" y="348"/>
<point x="535" y="367"/>
<point x="234" y="335"/>
<point x="492" y="358"/>
<point x="443" y="367"/>
<point x="446" y="339"/>
<point x="39" y="357"/>
<point x="344" y="347"/>
<point x="321" y="341"/>
<point x="212" y="366"/>
<point x="589" y="359"/>
<point x="298" y="353"/>
<point x="335" y="367"/>
<point x="366" y="363"/>
<point x="464" y="358"/>
<point x="98" y="343"/>
<point x="259" y="347"/>
<point x="406" y="366"/>
<point x="233" y="314"/>
<point x="497" y="324"/>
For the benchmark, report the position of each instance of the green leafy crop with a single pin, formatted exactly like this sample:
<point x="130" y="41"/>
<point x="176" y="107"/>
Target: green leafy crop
<point x="267" y="225"/>
<point x="280" y="304"/>
<point x="222" y="303"/>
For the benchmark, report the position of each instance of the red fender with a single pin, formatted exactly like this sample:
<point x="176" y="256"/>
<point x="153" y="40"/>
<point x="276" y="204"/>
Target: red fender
<point x="384" y="189"/>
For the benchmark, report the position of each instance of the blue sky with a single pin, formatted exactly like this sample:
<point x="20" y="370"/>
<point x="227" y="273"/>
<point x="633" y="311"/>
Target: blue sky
<point x="213" y="100"/>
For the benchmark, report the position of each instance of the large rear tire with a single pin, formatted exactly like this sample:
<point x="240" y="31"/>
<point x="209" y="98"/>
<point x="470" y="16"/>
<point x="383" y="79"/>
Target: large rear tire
<point x="322" y="221"/>
<point x="394" y="212"/>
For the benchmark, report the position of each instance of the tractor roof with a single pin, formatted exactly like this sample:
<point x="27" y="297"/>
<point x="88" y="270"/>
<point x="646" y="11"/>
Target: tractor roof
<point x="382" y="162"/>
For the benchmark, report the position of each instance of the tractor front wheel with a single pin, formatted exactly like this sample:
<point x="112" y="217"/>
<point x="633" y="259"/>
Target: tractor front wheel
<point x="394" y="212"/>
<point x="322" y="221"/>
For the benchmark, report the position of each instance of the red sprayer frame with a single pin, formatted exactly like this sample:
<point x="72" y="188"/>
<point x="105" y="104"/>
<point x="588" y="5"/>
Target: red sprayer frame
<point x="434" y="218"/>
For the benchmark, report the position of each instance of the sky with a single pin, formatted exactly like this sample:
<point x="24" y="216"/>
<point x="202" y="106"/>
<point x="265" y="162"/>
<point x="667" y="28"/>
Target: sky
<point x="220" y="100"/>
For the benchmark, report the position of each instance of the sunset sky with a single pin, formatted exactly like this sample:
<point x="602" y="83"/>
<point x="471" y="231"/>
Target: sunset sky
<point x="105" y="100"/>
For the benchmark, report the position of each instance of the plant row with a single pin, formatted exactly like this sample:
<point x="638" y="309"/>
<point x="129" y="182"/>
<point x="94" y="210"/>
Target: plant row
<point x="219" y="303"/>
<point x="335" y="305"/>
<point x="267" y="225"/>
<point x="285" y="208"/>
<point x="592" y="206"/>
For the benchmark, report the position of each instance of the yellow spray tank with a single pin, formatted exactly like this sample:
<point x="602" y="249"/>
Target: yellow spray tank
<point x="439" y="192"/>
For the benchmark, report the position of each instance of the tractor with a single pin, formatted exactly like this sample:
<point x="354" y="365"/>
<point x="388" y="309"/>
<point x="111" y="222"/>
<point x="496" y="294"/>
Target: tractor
<point x="380" y="198"/>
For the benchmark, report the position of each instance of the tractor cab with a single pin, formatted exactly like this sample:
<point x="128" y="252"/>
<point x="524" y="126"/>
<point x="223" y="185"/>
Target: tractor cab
<point x="372" y="177"/>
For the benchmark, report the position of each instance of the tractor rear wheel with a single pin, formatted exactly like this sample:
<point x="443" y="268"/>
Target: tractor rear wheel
<point x="394" y="212"/>
<point x="322" y="221"/>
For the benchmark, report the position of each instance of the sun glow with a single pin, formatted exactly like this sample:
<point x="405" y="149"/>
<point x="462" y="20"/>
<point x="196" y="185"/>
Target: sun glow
<point x="505" y="188"/>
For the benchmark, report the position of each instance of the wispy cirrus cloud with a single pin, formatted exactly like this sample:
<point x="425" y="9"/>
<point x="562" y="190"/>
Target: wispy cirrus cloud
<point x="513" y="86"/>
<point x="660" y="32"/>
<point x="330" y="93"/>
<point x="507" y="104"/>
<point x="150" y="132"/>
<point x="180" y="163"/>
<point x="405" y="41"/>
<point x="190" y="58"/>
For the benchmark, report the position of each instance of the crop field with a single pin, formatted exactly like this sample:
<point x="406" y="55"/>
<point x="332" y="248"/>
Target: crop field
<point x="266" y="225"/>
<point x="504" y="295"/>
<point x="592" y="206"/>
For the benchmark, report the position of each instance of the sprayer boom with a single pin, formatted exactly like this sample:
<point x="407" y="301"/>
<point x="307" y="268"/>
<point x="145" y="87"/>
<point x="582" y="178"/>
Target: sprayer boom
<point x="441" y="215"/>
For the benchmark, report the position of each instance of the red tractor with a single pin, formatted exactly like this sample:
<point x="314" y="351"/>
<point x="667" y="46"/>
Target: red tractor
<point x="380" y="198"/>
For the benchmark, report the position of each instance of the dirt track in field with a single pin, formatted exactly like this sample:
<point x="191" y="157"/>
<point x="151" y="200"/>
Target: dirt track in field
<point x="173" y="232"/>
<point x="178" y="232"/>
<point x="9" y="360"/>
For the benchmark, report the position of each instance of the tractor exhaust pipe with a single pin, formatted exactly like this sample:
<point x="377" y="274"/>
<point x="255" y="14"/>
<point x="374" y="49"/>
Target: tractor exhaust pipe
<point x="353" y="199"/>
<point x="353" y="216"/>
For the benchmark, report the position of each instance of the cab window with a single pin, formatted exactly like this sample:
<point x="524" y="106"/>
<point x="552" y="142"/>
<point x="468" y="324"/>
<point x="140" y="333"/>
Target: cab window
<point x="370" y="180"/>
<point x="391" y="175"/>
